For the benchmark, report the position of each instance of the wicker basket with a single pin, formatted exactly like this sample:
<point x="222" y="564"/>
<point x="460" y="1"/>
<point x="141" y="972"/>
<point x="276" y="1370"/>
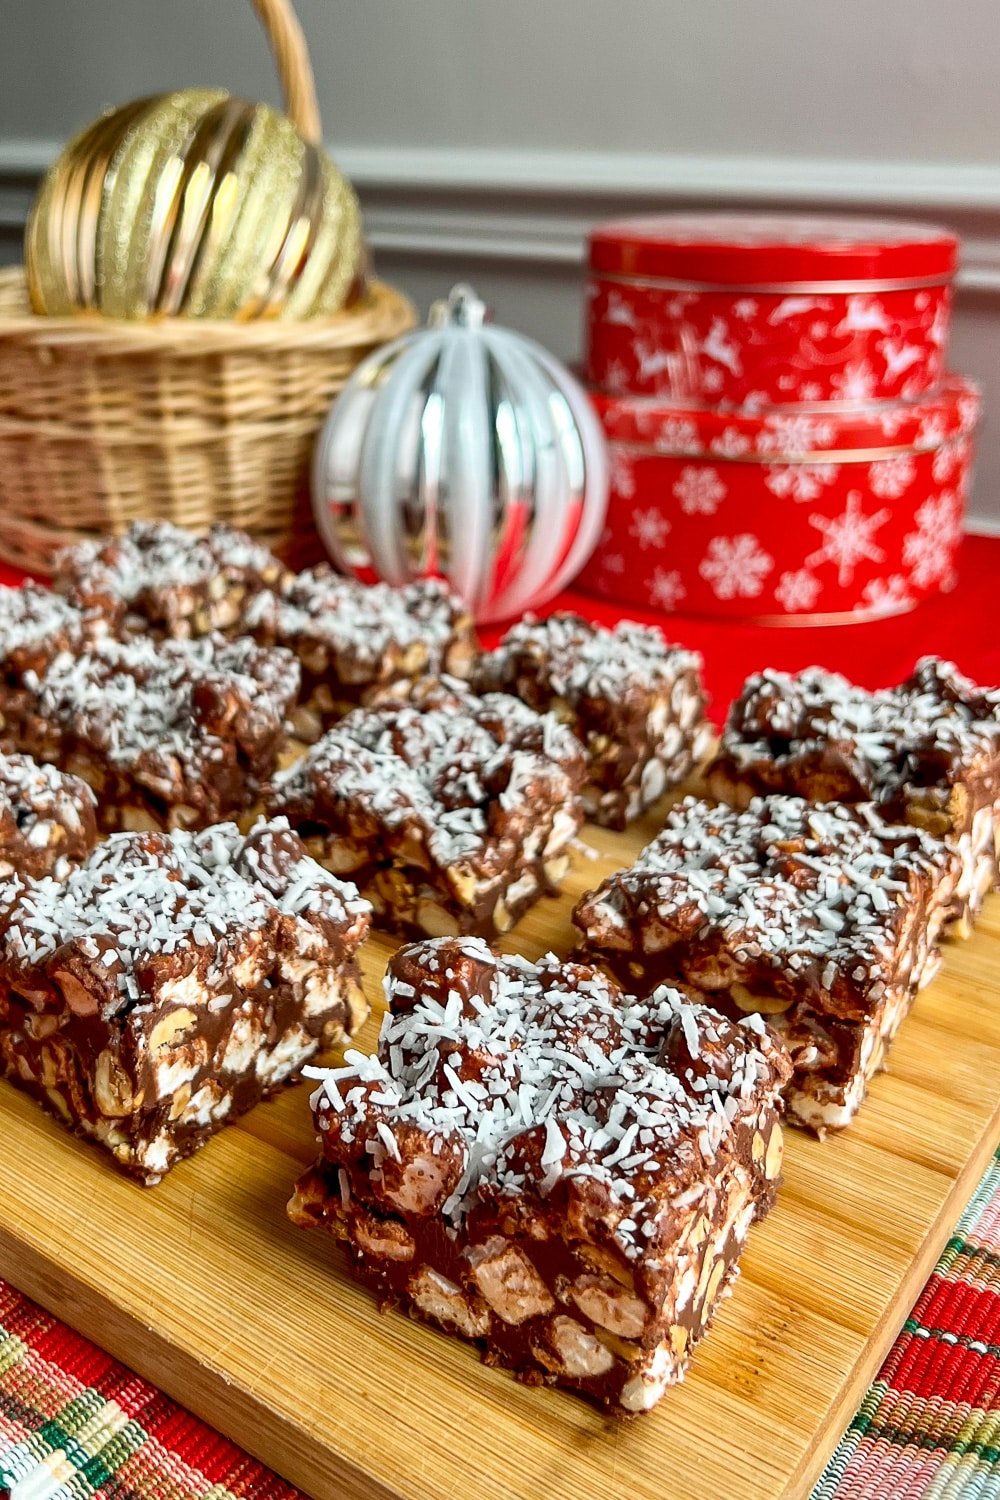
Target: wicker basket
<point x="103" y="423"/>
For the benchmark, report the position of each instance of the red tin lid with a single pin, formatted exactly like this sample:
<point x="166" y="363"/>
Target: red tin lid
<point x="773" y="251"/>
<point x="792" y="433"/>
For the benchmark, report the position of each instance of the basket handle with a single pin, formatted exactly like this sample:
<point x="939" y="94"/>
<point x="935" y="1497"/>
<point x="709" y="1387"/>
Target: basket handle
<point x="291" y="56"/>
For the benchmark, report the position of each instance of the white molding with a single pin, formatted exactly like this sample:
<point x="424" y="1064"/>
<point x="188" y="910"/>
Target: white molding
<point x="555" y="174"/>
<point x="536" y="206"/>
<point x="25" y="156"/>
<point x="977" y="525"/>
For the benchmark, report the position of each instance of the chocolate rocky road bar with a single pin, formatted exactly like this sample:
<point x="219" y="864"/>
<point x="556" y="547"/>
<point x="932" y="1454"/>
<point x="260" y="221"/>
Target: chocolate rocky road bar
<point x="172" y="981"/>
<point x="168" y="733"/>
<point x="47" y="819"/>
<point x="635" y="703"/>
<point x="453" y="813"/>
<point x="547" y="1166"/>
<point x="926" y="752"/>
<point x="35" y="627"/>
<point x="160" y="579"/>
<point x="349" y="637"/>
<point x="822" y="918"/>
<point x="352" y="638"/>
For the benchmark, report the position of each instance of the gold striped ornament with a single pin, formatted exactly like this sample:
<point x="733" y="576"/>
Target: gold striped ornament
<point x="193" y="204"/>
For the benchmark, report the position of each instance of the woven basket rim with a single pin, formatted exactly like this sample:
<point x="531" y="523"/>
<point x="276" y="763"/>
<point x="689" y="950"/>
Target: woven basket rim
<point x="382" y="314"/>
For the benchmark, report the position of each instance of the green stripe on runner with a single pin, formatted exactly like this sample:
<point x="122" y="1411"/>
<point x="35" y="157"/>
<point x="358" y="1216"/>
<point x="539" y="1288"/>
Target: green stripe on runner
<point x="100" y="1447"/>
<point x="865" y="1413"/>
<point x="985" y="1448"/>
<point x="956" y="1248"/>
<point x="58" y="1440"/>
<point x="925" y="1442"/>
<point x="92" y="1446"/>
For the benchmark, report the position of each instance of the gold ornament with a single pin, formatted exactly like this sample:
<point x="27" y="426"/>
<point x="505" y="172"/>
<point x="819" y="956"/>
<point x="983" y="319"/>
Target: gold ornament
<point x="193" y="204"/>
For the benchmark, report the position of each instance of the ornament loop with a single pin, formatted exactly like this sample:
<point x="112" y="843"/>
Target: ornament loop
<point x="460" y="309"/>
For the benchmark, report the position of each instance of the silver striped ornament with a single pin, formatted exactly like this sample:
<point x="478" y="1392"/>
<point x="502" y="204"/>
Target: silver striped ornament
<point x="468" y="451"/>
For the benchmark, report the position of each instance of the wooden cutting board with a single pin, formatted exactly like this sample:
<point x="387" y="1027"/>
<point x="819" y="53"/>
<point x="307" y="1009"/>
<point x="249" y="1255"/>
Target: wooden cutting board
<point x="203" y="1286"/>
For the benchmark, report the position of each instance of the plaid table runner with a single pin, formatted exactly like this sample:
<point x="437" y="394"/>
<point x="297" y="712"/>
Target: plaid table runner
<point x="929" y="1427"/>
<point x="76" y="1425"/>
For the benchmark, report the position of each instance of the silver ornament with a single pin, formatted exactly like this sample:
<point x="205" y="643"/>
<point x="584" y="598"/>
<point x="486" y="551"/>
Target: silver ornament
<point x="468" y="451"/>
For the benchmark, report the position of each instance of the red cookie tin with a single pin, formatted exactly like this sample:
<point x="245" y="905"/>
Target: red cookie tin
<point x="750" y="310"/>
<point x="787" y="516"/>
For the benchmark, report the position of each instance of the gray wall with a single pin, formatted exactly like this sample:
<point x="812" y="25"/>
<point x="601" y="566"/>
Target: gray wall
<point x="485" y="135"/>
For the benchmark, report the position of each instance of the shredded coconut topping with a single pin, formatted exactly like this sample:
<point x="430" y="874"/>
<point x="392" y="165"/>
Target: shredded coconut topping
<point x="569" y="656"/>
<point x="799" y="889"/>
<point x="46" y="817"/>
<point x="167" y="701"/>
<point x="199" y="900"/>
<point x="35" y="623"/>
<point x="29" y="789"/>
<point x="445" y="763"/>
<point x="934" y="727"/>
<point x="368" y="625"/>
<point x="524" y="1075"/>
<point x="154" y="559"/>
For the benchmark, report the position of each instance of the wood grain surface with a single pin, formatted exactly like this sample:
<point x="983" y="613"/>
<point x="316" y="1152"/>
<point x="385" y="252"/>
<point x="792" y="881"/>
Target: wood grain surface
<point x="203" y="1286"/>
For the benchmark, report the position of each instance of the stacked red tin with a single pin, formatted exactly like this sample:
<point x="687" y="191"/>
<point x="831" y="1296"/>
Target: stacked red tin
<point x="786" y="443"/>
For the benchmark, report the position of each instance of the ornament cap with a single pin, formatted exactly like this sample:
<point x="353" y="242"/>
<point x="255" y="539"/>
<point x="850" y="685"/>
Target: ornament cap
<point x="460" y="309"/>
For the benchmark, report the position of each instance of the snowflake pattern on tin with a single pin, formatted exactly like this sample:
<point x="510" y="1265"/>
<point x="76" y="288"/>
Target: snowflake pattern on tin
<point x="794" y="433"/>
<point x="856" y="382"/>
<point x="616" y="376"/>
<point x="891" y="420"/>
<point x="929" y="550"/>
<point x="932" y="431"/>
<point x="619" y="311"/>
<point x="943" y="463"/>
<point x="864" y="315"/>
<point x="968" y="411"/>
<point x="889" y="477"/>
<point x="800" y="482"/>
<point x="650" y="527"/>
<point x="677" y="435"/>
<point x="655" y="366"/>
<point x="613" y="563"/>
<point x="752" y="351"/>
<point x="849" y="538"/>
<point x="666" y="589"/>
<point x="887" y="596"/>
<point x="735" y="566"/>
<point x="678" y="306"/>
<point x="899" y="357"/>
<point x="699" y="490"/>
<point x="622" y="474"/>
<point x="797" y="590"/>
<point x="721" y="348"/>
<point x="730" y="443"/>
<point x="912" y="388"/>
